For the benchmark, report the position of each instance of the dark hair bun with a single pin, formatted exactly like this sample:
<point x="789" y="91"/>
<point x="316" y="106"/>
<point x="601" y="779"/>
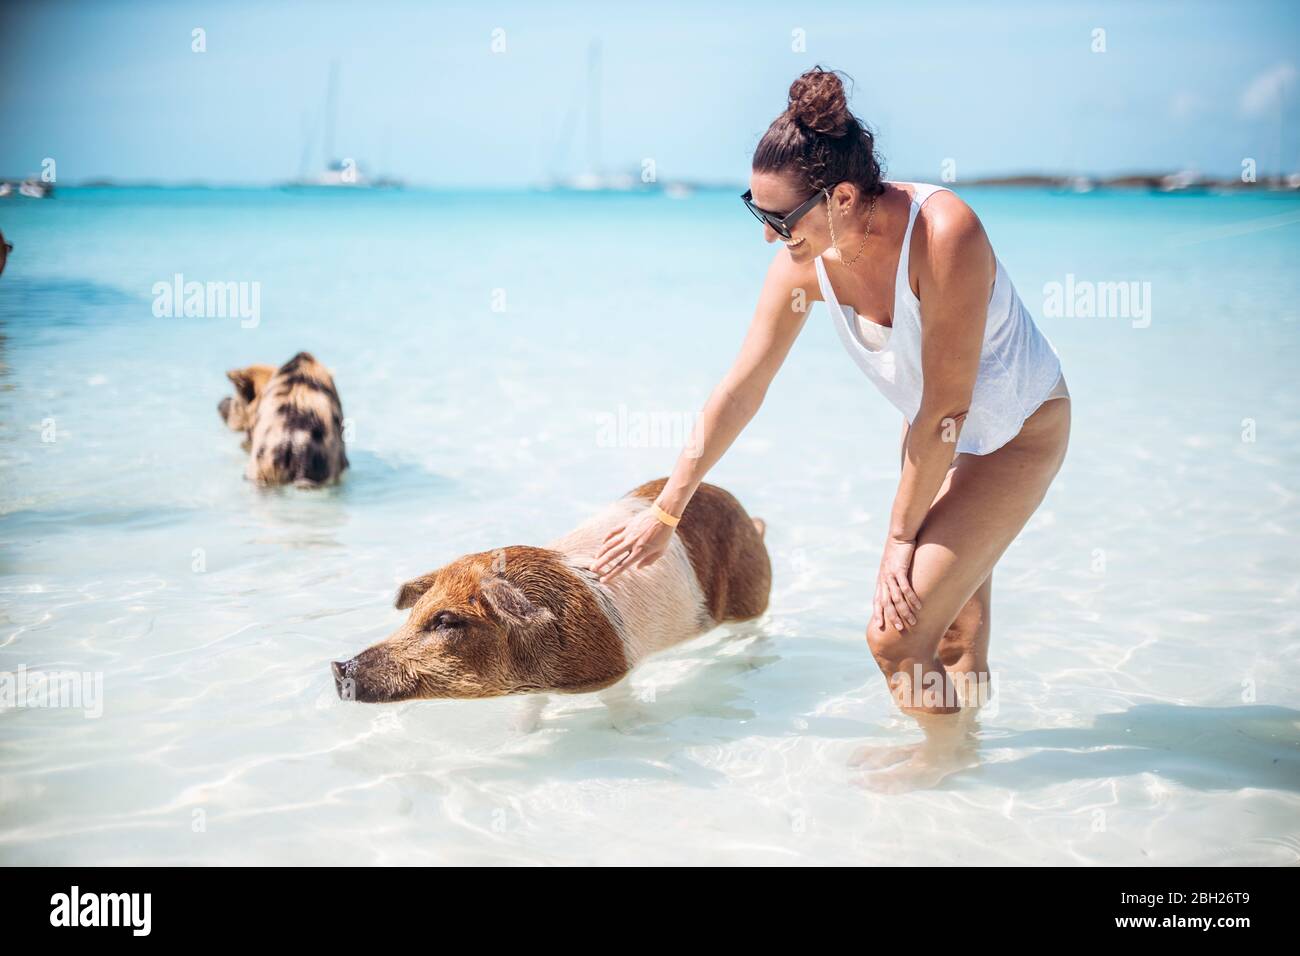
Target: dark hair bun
<point x="818" y="103"/>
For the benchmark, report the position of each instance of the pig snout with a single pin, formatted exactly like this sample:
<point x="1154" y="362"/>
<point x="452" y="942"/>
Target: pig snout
<point x="372" y="677"/>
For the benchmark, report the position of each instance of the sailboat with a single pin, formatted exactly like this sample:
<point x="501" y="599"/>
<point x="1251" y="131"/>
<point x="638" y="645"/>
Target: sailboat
<point x="595" y="178"/>
<point x="340" y="173"/>
<point x="31" y="187"/>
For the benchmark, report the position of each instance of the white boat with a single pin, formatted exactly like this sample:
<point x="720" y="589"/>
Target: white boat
<point x="338" y="173"/>
<point x="595" y="179"/>
<point x="1183" y="181"/>
<point x="34" y="189"/>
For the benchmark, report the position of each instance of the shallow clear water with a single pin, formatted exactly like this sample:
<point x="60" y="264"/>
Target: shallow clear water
<point x="1145" y="623"/>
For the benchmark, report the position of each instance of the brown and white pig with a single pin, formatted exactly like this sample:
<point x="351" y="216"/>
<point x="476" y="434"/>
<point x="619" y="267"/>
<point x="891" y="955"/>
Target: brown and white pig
<point x="292" y="419"/>
<point x="526" y="620"/>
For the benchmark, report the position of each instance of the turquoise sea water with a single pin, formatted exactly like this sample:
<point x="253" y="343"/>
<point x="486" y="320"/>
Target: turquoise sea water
<point x="1144" y="625"/>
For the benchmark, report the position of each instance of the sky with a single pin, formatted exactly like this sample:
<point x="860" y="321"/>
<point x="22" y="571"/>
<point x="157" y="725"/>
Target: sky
<point x="481" y="94"/>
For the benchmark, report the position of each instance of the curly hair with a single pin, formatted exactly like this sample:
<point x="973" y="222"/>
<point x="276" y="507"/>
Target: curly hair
<point x="818" y="139"/>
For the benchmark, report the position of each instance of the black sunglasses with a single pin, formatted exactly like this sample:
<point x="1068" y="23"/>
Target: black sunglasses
<point x="782" y="225"/>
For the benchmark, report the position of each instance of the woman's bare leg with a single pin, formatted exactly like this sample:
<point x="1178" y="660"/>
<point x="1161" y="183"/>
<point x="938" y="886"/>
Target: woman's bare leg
<point x="949" y="743"/>
<point x="986" y="502"/>
<point x="981" y="507"/>
<point x="964" y="648"/>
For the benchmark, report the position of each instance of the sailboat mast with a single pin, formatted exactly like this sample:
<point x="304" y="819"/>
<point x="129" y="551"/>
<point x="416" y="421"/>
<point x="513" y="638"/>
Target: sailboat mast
<point x="593" y="107"/>
<point x="331" y="112"/>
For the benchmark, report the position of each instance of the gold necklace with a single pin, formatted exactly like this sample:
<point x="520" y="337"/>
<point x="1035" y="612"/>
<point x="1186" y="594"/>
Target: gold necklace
<point x="834" y="242"/>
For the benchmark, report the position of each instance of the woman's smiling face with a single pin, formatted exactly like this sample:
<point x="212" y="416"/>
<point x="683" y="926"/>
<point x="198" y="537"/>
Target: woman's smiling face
<point x="781" y="193"/>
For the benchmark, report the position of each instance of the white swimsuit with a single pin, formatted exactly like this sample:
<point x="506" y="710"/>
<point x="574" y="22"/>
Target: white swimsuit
<point x="1019" y="367"/>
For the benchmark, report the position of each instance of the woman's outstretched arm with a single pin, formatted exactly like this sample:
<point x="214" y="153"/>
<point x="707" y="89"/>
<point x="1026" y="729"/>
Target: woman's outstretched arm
<point x="778" y="319"/>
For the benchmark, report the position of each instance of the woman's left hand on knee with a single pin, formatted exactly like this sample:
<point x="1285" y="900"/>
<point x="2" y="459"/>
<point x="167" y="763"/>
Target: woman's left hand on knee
<point x="895" y="600"/>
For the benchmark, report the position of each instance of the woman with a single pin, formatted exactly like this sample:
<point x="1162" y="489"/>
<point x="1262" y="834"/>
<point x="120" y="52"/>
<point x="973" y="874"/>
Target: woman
<point x="924" y="307"/>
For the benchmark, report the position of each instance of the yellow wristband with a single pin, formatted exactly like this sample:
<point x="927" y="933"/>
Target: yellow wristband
<point x="664" y="516"/>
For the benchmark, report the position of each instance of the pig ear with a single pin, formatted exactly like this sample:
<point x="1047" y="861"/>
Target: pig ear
<point x="412" y="591"/>
<point x="243" y="383"/>
<point x="511" y="603"/>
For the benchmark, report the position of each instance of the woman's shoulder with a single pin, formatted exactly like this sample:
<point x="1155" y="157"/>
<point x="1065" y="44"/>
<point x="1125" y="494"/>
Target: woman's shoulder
<point x="948" y="235"/>
<point x="939" y="203"/>
<point x="945" y="222"/>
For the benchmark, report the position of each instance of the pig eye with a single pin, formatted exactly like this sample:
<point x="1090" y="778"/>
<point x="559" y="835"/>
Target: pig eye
<point x="445" y="620"/>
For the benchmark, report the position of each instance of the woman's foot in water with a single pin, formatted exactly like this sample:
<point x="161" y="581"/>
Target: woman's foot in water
<point x="950" y="745"/>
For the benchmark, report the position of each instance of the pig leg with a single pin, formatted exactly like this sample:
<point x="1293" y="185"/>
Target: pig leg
<point x="529" y="715"/>
<point x="622" y="704"/>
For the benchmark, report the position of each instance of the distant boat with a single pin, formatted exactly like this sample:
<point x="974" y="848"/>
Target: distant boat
<point x="595" y="178"/>
<point x="1184" y="181"/>
<point x="338" y="173"/>
<point x="31" y="188"/>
